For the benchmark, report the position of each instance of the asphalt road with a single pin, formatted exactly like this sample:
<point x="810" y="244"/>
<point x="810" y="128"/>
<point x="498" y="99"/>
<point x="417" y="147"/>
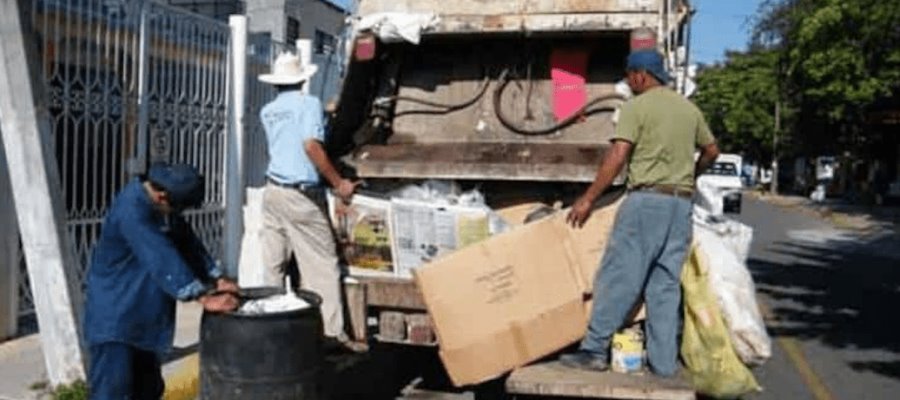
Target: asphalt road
<point x="831" y="297"/>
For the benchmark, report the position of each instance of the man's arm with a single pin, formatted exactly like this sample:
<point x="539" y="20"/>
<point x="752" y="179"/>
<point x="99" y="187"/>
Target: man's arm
<point x="316" y="153"/>
<point x="708" y="155"/>
<point x="155" y="250"/>
<point x="611" y="166"/>
<point x="197" y="257"/>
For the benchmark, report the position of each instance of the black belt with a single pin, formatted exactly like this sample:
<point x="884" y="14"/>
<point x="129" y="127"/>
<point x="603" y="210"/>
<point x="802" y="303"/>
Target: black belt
<point x="671" y="190"/>
<point x="301" y="186"/>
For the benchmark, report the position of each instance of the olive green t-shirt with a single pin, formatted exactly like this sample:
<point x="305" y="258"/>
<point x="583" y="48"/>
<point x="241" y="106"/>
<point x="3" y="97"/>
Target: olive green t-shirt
<point x="665" y="129"/>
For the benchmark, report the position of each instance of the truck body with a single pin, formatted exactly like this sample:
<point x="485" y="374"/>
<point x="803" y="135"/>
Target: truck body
<point x="516" y="98"/>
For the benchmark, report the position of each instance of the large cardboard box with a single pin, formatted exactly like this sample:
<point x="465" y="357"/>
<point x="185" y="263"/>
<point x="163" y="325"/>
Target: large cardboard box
<point x="515" y="297"/>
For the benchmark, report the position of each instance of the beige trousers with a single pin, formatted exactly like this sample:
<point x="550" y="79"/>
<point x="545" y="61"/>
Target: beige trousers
<point x="293" y="224"/>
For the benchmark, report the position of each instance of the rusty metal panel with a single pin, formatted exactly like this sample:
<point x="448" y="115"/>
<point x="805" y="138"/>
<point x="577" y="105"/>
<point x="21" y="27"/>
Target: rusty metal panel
<point x="502" y="161"/>
<point x="498" y="7"/>
<point x="453" y="71"/>
<point x="575" y="22"/>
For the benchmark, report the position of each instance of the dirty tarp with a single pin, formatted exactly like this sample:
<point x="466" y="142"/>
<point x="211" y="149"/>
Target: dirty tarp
<point x="394" y="27"/>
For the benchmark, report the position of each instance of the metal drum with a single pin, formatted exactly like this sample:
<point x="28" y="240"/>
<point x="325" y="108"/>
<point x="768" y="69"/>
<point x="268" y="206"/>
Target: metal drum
<point x="267" y="356"/>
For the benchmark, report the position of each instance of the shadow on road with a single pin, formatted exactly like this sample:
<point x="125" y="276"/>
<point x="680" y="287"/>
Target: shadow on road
<point x="844" y="293"/>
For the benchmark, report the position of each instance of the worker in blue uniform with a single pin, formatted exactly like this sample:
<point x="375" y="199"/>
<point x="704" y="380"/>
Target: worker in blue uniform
<point x="147" y="257"/>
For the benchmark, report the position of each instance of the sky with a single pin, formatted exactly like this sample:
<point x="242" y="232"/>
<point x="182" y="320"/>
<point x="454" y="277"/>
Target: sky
<point x="720" y="25"/>
<point x="345" y="4"/>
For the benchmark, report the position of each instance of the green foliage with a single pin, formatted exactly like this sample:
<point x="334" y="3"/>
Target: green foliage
<point x="830" y="60"/>
<point x="738" y="100"/>
<point x="75" y="391"/>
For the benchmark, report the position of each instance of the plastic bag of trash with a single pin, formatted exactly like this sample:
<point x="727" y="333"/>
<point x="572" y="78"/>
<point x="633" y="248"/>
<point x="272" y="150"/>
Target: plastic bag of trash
<point x="713" y="367"/>
<point x="273" y="304"/>
<point x="440" y="192"/>
<point x="449" y="193"/>
<point x="727" y="242"/>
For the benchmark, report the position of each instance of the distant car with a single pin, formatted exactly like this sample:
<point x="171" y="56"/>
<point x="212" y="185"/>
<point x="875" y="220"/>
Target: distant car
<point x="721" y="184"/>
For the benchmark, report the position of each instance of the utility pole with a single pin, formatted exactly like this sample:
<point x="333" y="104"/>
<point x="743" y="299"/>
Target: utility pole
<point x="775" y="147"/>
<point x="37" y="193"/>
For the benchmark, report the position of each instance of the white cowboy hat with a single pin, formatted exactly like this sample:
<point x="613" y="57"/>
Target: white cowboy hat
<point x="289" y="70"/>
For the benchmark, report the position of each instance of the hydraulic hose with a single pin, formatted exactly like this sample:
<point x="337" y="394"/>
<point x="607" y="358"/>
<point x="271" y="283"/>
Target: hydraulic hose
<point x="441" y="108"/>
<point x="503" y="81"/>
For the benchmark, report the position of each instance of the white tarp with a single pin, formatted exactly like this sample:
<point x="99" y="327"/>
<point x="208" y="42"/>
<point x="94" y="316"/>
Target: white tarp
<point x="393" y="27"/>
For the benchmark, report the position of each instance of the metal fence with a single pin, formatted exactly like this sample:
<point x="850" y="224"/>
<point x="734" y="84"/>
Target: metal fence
<point x="131" y="81"/>
<point x="135" y="81"/>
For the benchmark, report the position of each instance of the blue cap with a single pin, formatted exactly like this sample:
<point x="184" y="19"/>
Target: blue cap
<point x="650" y="61"/>
<point x="182" y="182"/>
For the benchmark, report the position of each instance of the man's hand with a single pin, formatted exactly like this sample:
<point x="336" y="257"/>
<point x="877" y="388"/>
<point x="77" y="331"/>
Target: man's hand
<point x="221" y="302"/>
<point x="227" y="285"/>
<point x="346" y="188"/>
<point x="580" y="211"/>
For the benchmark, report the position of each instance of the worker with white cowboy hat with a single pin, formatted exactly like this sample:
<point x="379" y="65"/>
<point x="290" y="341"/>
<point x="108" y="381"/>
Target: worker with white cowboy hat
<point x="293" y="223"/>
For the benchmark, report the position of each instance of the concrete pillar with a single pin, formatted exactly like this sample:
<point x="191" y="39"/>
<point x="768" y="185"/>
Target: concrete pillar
<point x="9" y="255"/>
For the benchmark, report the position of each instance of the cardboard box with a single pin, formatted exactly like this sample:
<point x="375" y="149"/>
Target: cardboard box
<point x="515" y="297"/>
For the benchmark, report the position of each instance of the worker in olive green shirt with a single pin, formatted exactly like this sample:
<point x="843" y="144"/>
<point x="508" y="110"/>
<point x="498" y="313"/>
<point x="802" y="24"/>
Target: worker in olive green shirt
<point x="656" y="136"/>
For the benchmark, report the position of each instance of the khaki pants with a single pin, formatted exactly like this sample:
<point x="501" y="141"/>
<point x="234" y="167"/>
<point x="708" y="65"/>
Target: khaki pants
<point x="292" y="223"/>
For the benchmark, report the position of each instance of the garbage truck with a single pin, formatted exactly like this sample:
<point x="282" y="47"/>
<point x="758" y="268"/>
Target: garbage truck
<point x="515" y="99"/>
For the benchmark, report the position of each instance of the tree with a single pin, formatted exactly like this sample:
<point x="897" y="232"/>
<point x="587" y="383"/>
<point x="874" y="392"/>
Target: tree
<point x="738" y="99"/>
<point x="838" y="58"/>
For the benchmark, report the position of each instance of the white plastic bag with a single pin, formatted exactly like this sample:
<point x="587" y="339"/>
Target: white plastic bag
<point x="726" y="243"/>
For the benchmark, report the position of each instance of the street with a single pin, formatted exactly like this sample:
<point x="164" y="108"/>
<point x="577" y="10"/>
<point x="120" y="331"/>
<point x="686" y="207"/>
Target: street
<point x="827" y="294"/>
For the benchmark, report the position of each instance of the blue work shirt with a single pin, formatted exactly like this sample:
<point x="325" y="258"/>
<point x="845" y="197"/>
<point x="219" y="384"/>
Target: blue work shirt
<point x="290" y="120"/>
<point x="141" y="264"/>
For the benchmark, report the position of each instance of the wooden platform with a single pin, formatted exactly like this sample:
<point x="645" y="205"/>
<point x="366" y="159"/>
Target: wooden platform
<point x="553" y="379"/>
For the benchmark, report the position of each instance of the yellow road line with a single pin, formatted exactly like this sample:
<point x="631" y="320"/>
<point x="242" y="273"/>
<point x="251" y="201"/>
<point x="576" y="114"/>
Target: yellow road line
<point x="812" y="380"/>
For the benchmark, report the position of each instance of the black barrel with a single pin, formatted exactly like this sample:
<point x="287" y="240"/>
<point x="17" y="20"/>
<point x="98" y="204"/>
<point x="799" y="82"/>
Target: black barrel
<point x="262" y="357"/>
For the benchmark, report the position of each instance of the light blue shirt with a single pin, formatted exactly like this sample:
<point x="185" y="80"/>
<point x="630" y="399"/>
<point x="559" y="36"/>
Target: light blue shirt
<point x="290" y="120"/>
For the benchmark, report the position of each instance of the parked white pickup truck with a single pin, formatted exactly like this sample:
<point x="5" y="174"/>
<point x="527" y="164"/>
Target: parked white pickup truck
<point x="720" y="186"/>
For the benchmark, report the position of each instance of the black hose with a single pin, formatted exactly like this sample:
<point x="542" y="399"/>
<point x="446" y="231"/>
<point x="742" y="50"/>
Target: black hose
<point x="584" y="111"/>
<point x="443" y="108"/>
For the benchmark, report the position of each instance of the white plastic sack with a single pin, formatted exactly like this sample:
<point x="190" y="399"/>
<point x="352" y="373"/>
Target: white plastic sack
<point x="250" y="271"/>
<point x="393" y="27"/>
<point x="726" y="243"/>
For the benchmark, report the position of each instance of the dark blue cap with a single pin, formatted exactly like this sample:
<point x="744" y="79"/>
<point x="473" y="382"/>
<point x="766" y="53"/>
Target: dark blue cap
<point x="650" y="61"/>
<point x="182" y="182"/>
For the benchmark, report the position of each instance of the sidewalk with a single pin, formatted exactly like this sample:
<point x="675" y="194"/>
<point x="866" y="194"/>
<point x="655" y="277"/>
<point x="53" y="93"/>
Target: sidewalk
<point x="866" y="219"/>
<point x="23" y="376"/>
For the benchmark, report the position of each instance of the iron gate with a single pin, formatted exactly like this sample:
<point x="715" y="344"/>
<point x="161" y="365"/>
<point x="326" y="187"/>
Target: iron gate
<point x="130" y="82"/>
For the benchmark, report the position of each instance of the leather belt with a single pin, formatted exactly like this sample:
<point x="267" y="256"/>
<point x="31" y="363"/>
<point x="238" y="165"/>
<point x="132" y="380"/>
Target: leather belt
<point x="301" y="186"/>
<point x="671" y="190"/>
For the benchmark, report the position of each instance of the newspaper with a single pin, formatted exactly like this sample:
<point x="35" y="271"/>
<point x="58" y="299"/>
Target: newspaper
<point x="423" y="232"/>
<point x="363" y="231"/>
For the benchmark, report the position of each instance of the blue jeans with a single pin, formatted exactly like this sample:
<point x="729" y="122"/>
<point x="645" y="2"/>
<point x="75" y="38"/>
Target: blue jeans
<point x="122" y="372"/>
<point x="649" y="243"/>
